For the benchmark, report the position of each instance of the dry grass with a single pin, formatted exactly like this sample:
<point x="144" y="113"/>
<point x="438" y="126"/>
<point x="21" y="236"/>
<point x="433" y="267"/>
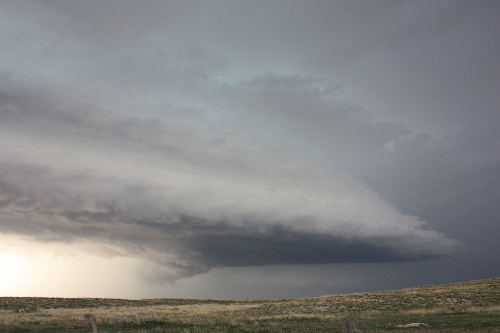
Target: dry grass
<point x="127" y="313"/>
<point x="473" y="309"/>
<point x="473" y="306"/>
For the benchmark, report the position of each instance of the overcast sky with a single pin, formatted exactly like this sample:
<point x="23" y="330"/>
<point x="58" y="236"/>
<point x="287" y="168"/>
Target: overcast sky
<point x="247" y="149"/>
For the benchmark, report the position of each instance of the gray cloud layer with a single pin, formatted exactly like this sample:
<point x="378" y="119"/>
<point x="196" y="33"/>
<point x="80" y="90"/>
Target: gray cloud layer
<point x="264" y="133"/>
<point x="199" y="197"/>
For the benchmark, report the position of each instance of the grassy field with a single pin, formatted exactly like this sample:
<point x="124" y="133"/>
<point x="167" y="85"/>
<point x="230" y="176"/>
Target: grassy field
<point x="472" y="306"/>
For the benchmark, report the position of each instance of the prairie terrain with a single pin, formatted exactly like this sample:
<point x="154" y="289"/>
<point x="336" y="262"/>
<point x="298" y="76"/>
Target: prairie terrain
<point x="472" y="306"/>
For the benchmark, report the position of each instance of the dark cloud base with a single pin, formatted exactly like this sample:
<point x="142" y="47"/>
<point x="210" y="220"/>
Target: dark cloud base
<point x="230" y="247"/>
<point x="238" y="246"/>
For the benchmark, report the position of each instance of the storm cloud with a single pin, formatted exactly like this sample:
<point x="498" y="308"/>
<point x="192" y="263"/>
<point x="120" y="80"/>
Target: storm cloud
<point x="201" y="196"/>
<point x="194" y="136"/>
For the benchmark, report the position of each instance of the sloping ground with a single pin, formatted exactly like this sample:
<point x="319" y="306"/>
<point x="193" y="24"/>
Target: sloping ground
<point x="469" y="306"/>
<point x="455" y="296"/>
<point x="451" y="297"/>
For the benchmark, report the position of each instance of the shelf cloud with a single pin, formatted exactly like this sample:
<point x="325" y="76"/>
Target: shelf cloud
<point x="186" y="195"/>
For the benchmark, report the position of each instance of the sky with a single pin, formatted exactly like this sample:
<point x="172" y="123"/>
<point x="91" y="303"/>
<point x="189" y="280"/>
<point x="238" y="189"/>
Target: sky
<point x="247" y="149"/>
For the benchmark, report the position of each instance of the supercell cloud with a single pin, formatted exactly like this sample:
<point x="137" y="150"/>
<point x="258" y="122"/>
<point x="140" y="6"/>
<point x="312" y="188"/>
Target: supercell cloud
<point x="187" y="193"/>
<point x="196" y="135"/>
